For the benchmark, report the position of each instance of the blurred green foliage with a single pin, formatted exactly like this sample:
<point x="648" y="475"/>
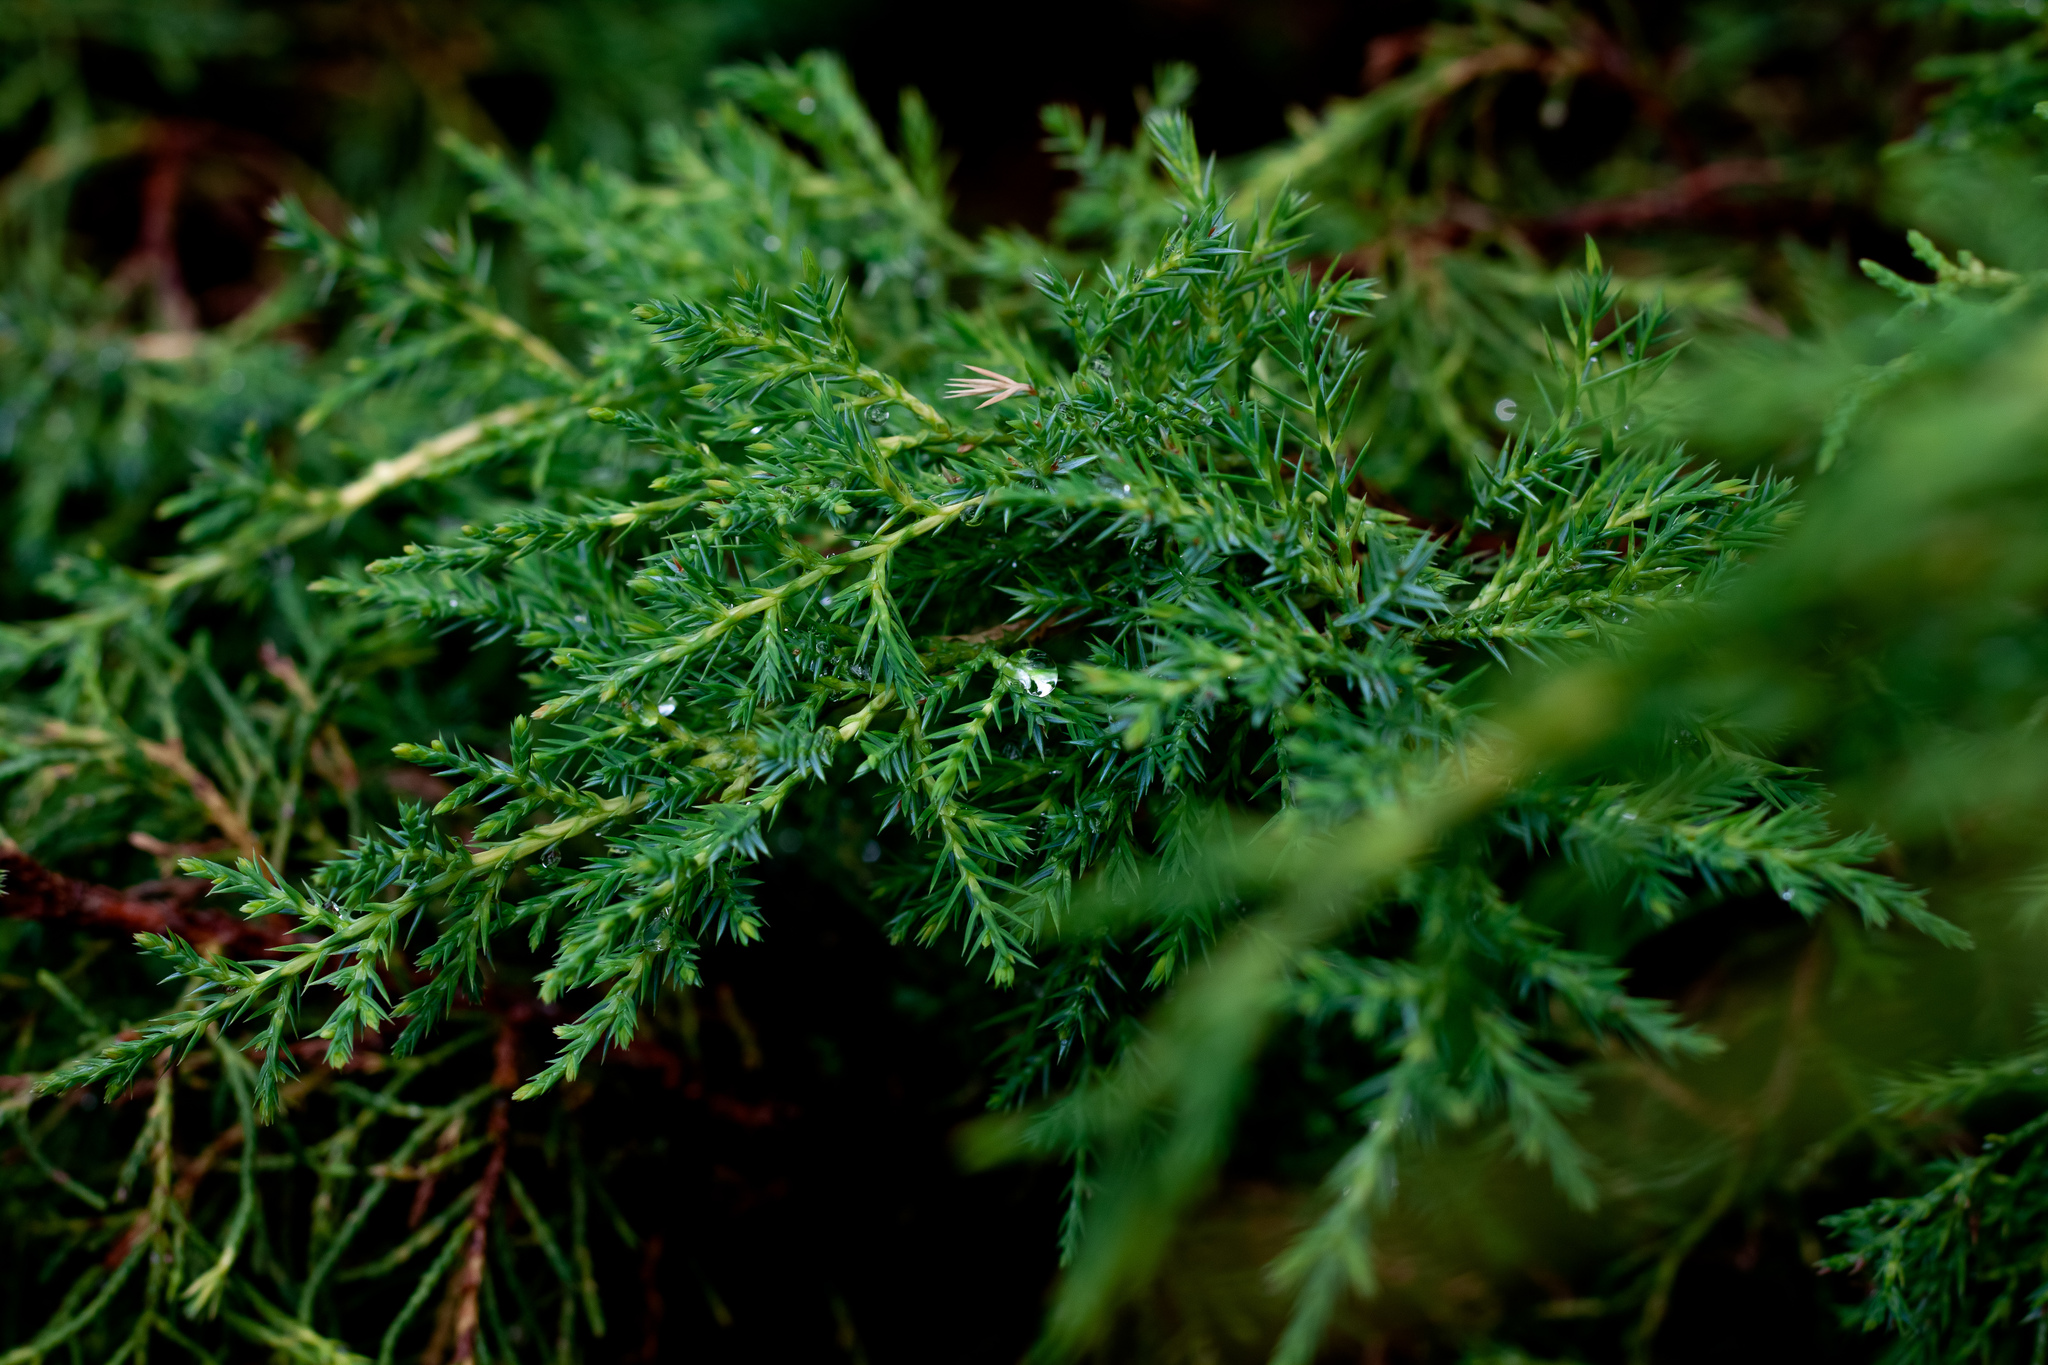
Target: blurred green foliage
<point x="1420" y="906"/>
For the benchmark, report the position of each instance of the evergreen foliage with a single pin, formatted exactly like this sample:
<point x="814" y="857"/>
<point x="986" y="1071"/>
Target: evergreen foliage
<point x="1051" y="590"/>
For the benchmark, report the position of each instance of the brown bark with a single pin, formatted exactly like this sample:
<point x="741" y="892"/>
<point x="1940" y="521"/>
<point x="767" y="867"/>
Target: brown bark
<point x="469" y="1280"/>
<point x="33" y="891"/>
<point x="1683" y="198"/>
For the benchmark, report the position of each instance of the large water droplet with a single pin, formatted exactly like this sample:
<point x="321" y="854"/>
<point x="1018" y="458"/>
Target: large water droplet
<point x="667" y="708"/>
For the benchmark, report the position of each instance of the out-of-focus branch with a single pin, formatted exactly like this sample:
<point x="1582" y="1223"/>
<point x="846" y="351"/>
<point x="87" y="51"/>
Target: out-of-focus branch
<point x="1682" y="198"/>
<point x="467" y="1287"/>
<point x="171" y="758"/>
<point x="33" y="891"/>
<point x="1692" y="195"/>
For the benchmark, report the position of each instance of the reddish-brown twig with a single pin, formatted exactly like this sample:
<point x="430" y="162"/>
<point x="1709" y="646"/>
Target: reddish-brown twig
<point x="469" y="1280"/>
<point x="33" y="891"/>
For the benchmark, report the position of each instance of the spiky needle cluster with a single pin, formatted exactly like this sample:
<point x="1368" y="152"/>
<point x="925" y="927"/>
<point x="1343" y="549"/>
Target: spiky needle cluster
<point x="1045" y="642"/>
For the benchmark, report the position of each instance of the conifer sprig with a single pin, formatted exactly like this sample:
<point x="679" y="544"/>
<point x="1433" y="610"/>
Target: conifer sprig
<point x="1044" y="645"/>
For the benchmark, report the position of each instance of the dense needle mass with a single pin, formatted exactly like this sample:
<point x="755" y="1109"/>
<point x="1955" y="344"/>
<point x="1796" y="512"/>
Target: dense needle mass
<point x="1271" y="679"/>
